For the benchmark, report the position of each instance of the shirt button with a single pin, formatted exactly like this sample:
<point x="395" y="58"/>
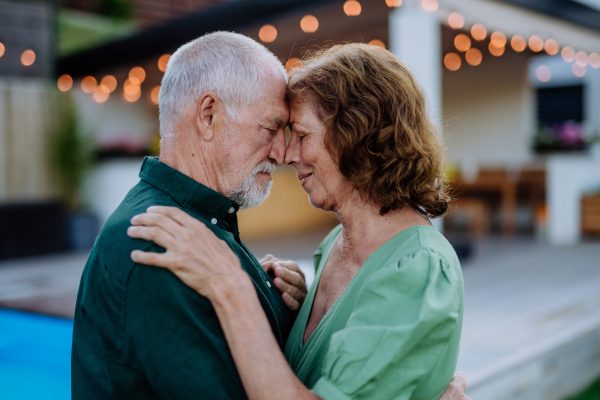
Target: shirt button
<point x="231" y="210"/>
<point x="268" y="283"/>
<point x="213" y="221"/>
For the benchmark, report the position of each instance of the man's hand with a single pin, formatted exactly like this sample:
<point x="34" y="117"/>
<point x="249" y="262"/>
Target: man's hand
<point x="288" y="279"/>
<point x="456" y="388"/>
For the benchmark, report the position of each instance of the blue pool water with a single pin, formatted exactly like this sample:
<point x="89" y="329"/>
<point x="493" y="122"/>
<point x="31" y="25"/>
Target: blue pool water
<point x="35" y="356"/>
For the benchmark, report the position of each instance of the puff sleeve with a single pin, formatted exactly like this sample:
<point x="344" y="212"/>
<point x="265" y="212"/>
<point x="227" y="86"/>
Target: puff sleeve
<point x="405" y="321"/>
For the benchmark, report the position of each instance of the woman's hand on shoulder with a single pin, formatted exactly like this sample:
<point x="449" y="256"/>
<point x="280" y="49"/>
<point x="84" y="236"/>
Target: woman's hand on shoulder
<point x="289" y="280"/>
<point x="193" y="252"/>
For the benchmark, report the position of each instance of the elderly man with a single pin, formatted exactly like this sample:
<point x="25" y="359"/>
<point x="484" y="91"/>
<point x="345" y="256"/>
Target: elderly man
<point x="139" y="332"/>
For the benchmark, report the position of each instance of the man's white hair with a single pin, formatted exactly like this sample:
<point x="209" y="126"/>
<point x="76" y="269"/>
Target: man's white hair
<point x="232" y="65"/>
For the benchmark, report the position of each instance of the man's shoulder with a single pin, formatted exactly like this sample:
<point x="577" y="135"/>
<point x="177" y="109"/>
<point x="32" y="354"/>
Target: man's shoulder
<point x="113" y="246"/>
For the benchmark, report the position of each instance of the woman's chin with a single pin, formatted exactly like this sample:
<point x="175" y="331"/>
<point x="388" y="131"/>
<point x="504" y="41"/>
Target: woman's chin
<point x="319" y="202"/>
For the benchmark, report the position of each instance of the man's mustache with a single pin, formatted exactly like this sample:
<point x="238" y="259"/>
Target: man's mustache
<point x="265" y="166"/>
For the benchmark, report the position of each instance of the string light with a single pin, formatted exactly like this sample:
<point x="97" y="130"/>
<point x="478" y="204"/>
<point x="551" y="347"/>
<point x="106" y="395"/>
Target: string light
<point x="578" y="70"/>
<point x="154" y="94"/>
<point x="2" y="48"/>
<point x="452" y="61"/>
<point x="594" y="60"/>
<point x="28" y="58"/>
<point x="473" y="57"/>
<point x="551" y="47"/>
<point x="393" y="3"/>
<point x="495" y="50"/>
<point x="581" y="59"/>
<point x="456" y="21"/>
<point x="478" y="32"/>
<point x="64" y="83"/>
<point x="352" y="8"/>
<point x="543" y="73"/>
<point x="88" y="84"/>
<point x="109" y="82"/>
<point x="518" y="43"/>
<point x="267" y="33"/>
<point x="163" y="61"/>
<point x="101" y="94"/>
<point x="377" y="42"/>
<point x="292" y="63"/>
<point x="132" y="98"/>
<point x="130" y="87"/>
<point x="536" y="44"/>
<point x="309" y="24"/>
<point x="462" y="42"/>
<point x="137" y="75"/>
<point x="568" y="54"/>
<point x="498" y="39"/>
<point x="429" y="5"/>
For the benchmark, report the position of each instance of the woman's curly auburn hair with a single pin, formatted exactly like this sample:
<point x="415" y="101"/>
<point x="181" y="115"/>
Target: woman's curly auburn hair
<point x="377" y="127"/>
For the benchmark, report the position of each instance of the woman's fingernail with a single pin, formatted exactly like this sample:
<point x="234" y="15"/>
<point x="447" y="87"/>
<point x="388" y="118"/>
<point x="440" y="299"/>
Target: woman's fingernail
<point x="134" y="255"/>
<point x="151" y="208"/>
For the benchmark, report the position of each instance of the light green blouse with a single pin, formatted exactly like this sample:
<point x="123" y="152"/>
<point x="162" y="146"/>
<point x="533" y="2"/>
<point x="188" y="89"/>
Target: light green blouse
<point x="394" y="332"/>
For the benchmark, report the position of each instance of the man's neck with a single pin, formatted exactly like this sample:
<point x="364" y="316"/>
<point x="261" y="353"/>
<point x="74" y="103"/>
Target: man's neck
<point x="188" y="158"/>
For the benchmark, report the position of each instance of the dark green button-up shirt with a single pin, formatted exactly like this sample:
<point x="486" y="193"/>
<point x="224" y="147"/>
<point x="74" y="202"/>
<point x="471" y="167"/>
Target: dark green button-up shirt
<point x="139" y="332"/>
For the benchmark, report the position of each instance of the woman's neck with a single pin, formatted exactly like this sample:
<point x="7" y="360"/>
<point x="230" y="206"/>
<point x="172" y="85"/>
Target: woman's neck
<point x="364" y="229"/>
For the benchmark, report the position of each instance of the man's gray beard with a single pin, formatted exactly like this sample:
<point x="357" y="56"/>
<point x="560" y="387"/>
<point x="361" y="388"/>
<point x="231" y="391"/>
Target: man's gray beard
<point x="250" y="193"/>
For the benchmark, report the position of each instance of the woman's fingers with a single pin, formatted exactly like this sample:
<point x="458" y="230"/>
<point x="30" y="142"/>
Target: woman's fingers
<point x="163" y="260"/>
<point x="290" y="302"/>
<point x="153" y="234"/>
<point x="176" y="214"/>
<point x="161" y="220"/>
<point x="293" y="266"/>
<point x="290" y="276"/>
<point x="268" y="257"/>
<point x="289" y="289"/>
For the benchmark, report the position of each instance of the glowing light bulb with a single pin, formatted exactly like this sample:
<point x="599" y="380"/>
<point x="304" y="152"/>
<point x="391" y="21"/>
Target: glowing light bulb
<point x="267" y="33"/>
<point x="456" y="21"/>
<point x="452" y="61"/>
<point x="309" y="24"/>
<point x="64" y="83"/>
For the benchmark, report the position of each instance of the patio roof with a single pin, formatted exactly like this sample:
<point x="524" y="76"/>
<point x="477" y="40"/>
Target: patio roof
<point x="240" y="15"/>
<point x="165" y="38"/>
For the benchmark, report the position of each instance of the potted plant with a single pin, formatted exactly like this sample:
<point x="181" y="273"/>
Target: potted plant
<point x="70" y="157"/>
<point x="560" y="138"/>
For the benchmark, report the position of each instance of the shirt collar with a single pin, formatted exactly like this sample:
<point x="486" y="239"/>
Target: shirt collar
<point x="190" y="194"/>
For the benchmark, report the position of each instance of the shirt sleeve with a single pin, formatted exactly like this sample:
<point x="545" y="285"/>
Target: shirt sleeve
<point x="401" y="325"/>
<point x="174" y="336"/>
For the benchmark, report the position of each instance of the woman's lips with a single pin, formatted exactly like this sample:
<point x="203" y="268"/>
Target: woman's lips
<point x="303" y="178"/>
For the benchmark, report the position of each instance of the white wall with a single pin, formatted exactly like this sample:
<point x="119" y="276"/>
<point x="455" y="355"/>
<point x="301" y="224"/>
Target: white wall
<point x="116" y="118"/>
<point x="489" y="112"/>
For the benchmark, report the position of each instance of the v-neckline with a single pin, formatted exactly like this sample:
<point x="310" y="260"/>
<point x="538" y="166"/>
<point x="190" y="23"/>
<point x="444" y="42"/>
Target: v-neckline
<point x="317" y="281"/>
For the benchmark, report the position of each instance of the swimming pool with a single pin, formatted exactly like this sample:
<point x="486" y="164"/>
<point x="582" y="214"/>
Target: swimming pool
<point x="35" y="356"/>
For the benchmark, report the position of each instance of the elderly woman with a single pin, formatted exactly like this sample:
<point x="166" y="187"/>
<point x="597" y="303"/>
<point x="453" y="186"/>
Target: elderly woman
<point x="383" y="317"/>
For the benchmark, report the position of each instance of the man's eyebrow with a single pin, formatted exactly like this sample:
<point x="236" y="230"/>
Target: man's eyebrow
<point x="278" y="121"/>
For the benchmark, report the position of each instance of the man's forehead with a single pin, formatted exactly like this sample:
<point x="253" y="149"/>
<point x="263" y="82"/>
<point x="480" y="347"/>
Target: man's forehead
<point x="277" y="116"/>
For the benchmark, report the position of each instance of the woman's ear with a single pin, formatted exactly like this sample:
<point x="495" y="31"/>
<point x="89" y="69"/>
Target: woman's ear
<point x="206" y="111"/>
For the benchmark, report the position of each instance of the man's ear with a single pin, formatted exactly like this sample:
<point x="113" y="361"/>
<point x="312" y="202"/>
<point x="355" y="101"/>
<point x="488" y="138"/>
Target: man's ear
<point x="206" y="111"/>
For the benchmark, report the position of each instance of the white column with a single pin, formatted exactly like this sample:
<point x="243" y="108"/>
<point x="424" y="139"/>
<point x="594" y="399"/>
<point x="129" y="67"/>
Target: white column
<point x="568" y="178"/>
<point x="415" y="38"/>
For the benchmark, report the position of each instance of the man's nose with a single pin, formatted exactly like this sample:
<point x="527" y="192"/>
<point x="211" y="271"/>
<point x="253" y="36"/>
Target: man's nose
<point x="277" y="154"/>
<point x="292" y="152"/>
